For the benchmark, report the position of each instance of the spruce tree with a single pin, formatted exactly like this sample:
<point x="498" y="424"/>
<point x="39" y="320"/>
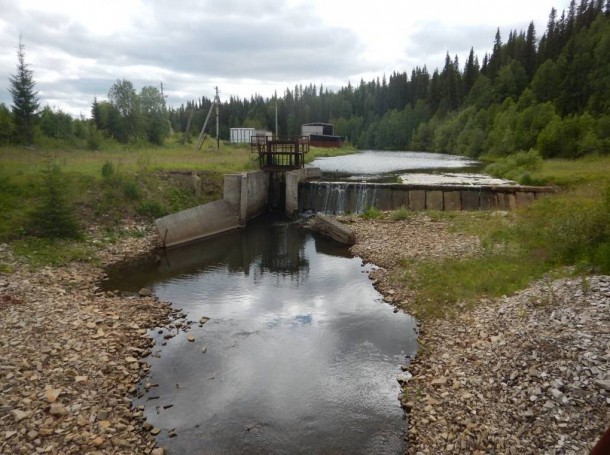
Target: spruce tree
<point x="25" y="100"/>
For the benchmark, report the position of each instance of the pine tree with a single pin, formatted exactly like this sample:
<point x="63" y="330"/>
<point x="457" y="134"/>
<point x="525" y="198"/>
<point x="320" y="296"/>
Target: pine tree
<point x="25" y="99"/>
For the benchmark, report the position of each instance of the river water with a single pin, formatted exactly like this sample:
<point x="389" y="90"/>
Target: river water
<point x="389" y="166"/>
<point x="300" y="353"/>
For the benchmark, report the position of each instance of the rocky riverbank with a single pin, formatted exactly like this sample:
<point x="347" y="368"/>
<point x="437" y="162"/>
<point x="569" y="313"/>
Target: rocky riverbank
<point x="524" y="374"/>
<point x="71" y="355"/>
<point x="527" y="373"/>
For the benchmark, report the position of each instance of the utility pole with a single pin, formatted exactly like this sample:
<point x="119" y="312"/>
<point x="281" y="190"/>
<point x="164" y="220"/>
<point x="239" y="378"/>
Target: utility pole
<point x="201" y="137"/>
<point x="217" y="102"/>
<point x="276" y="130"/>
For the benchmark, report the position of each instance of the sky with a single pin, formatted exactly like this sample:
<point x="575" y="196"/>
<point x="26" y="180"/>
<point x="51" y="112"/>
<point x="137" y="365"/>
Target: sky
<point x="78" y="48"/>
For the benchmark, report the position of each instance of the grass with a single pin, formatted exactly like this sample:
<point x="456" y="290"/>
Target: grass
<point x="40" y="252"/>
<point x="116" y="182"/>
<point x="571" y="228"/>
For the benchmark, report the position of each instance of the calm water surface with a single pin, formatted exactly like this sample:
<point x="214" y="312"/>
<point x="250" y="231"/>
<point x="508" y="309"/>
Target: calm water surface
<point x="374" y="165"/>
<point x="301" y="353"/>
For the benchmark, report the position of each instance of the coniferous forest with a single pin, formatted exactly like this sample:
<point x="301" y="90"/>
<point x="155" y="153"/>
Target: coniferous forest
<point x="549" y="92"/>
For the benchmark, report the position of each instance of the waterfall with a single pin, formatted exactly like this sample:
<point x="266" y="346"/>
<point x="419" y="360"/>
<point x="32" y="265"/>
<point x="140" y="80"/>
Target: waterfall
<point x="340" y="198"/>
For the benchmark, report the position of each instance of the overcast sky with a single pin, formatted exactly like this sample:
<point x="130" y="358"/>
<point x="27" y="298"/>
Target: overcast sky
<point x="78" y="48"/>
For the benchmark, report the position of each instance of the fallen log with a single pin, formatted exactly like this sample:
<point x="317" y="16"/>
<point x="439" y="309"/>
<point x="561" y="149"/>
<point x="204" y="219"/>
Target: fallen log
<point x="330" y="227"/>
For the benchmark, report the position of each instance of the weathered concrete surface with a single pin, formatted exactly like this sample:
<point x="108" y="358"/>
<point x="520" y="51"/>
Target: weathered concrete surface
<point x="451" y="200"/>
<point x="417" y="200"/>
<point x="293" y="178"/>
<point x="247" y="192"/>
<point x="434" y="200"/>
<point x="330" y="227"/>
<point x="197" y="222"/>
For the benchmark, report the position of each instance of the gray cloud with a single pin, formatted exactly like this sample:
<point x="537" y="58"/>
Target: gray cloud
<point x="193" y="40"/>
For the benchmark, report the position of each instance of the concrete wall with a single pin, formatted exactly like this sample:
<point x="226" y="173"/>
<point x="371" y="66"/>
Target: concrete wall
<point x="341" y="197"/>
<point x="247" y="192"/>
<point x="293" y="178"/>
<point x="197" y="222"/>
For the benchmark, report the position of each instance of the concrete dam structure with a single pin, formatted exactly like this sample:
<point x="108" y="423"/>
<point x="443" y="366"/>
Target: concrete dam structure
<point x="250" y="194"/>
<point x="342" y="197"/>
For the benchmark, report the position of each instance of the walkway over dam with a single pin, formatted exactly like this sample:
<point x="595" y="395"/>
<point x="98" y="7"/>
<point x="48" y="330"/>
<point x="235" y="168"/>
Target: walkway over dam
<point x="250" y="194"/>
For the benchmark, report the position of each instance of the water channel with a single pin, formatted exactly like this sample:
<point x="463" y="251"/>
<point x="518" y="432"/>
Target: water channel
<point x="301" y="352"/>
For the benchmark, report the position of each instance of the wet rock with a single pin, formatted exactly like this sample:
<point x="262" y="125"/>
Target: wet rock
<point x="145" y="292"/>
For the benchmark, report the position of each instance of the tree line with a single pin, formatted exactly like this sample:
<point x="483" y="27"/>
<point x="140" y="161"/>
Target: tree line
<point x="550" y="93"/>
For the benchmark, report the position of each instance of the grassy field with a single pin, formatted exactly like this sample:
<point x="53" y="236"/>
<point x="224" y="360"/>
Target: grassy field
<point x="566" y="233"/>
<point x="107" y="186"/>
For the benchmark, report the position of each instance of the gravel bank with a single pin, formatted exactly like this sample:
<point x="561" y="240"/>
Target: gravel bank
<point x="71" y="356"/>
<point x="524" y="374"/>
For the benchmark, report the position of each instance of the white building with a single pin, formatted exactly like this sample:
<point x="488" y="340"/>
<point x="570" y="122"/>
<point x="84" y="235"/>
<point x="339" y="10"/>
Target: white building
<point x="244" y="135"/>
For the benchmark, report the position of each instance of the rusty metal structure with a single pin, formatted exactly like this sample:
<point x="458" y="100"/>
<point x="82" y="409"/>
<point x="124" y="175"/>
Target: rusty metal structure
<point x="280" y="154"/>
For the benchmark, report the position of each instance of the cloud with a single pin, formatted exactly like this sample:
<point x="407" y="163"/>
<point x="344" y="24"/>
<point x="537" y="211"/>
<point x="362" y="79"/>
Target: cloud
<point x="190" y="40"/>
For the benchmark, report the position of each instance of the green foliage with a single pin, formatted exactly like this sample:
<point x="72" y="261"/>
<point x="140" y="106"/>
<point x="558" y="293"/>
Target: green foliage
<point x="465" y="280"/>
<point x="41" y="252"/>
<point x="54" y="217"/>
<point x="401" y="214"/>
<point x="7" y="126"/>
<point x="151" y="209"/>
<point x="94" y="138"/>
<point x="518" y="167"/>
<point x="571" y="229"/>
<point x="372" y="213"/>
<point x="107" y="170"/>
<point x="56" y="124"/>
<point x="25" y="99"/>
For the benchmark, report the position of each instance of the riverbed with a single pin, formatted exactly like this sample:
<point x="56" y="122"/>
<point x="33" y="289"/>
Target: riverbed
<point x="285" y="347"/>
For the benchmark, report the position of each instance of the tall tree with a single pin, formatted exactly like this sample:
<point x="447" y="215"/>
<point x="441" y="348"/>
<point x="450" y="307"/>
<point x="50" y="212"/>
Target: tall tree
<point x="25" y="98"/>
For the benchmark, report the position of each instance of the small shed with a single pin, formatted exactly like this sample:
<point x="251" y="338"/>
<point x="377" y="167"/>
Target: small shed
<point x="318" y="129"/>
<point x="244" y="135"/>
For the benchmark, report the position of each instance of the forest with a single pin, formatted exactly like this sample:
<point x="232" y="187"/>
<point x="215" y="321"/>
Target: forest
<point x="548" y="93"/>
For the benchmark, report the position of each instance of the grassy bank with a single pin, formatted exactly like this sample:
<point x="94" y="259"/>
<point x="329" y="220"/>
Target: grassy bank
<point x="559" y="234"/>
<point x="107" y="186"/>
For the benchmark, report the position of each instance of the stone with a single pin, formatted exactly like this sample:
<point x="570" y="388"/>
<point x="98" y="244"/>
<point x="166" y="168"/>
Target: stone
<point x="439" y="381"/>
<point x="52" y="394"/>
<point x="603" y="384"/>
<point x="191" y="338"/>
<point x="58" y="410"/>
<point x="19" y="415"/>
<point x="145" y="292"/>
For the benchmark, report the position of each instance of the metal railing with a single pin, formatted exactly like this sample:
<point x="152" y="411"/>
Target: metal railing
<point x="280" y="153"/>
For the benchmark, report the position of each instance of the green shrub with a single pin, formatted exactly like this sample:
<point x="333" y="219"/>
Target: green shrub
<point x="107" y="170"/>
<point x="130" y="190"/>
<point x="517" y="166"/>
<point x="151" y="209"/>
<point x="570" y="230"/>
<point x="400" y="214"/>
<point x="372" y="213"/>
<point x="54" y="217"/>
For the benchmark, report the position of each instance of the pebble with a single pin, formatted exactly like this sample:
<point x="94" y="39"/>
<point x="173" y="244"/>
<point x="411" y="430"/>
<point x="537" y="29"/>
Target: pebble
<point x="71" y="355"/>
<point x="527" y="373"/>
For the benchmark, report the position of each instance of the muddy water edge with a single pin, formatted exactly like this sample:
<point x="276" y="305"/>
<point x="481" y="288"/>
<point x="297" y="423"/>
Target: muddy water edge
<point x="284" y="347"/>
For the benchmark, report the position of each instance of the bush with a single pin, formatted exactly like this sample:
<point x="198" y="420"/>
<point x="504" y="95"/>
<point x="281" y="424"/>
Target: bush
<point x="372" y="213"/>
<point x="517" y="166"/>
<point x="151" y="209"/>
<point x="130" y="190"/>
<point x="55" y="218"/>
<point x="400" y="214"/>
<point x="107" y="170"/>
<point x="571" y="230"/>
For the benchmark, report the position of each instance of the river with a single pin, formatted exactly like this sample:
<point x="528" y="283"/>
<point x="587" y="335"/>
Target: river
<point x="300" y="353"/>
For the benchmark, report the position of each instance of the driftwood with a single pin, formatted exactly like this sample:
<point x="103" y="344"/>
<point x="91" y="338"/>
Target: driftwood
<point x="330" y="227"/>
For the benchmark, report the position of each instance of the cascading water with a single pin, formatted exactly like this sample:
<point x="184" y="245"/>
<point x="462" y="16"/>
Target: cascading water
<point x="341" y="197"/>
